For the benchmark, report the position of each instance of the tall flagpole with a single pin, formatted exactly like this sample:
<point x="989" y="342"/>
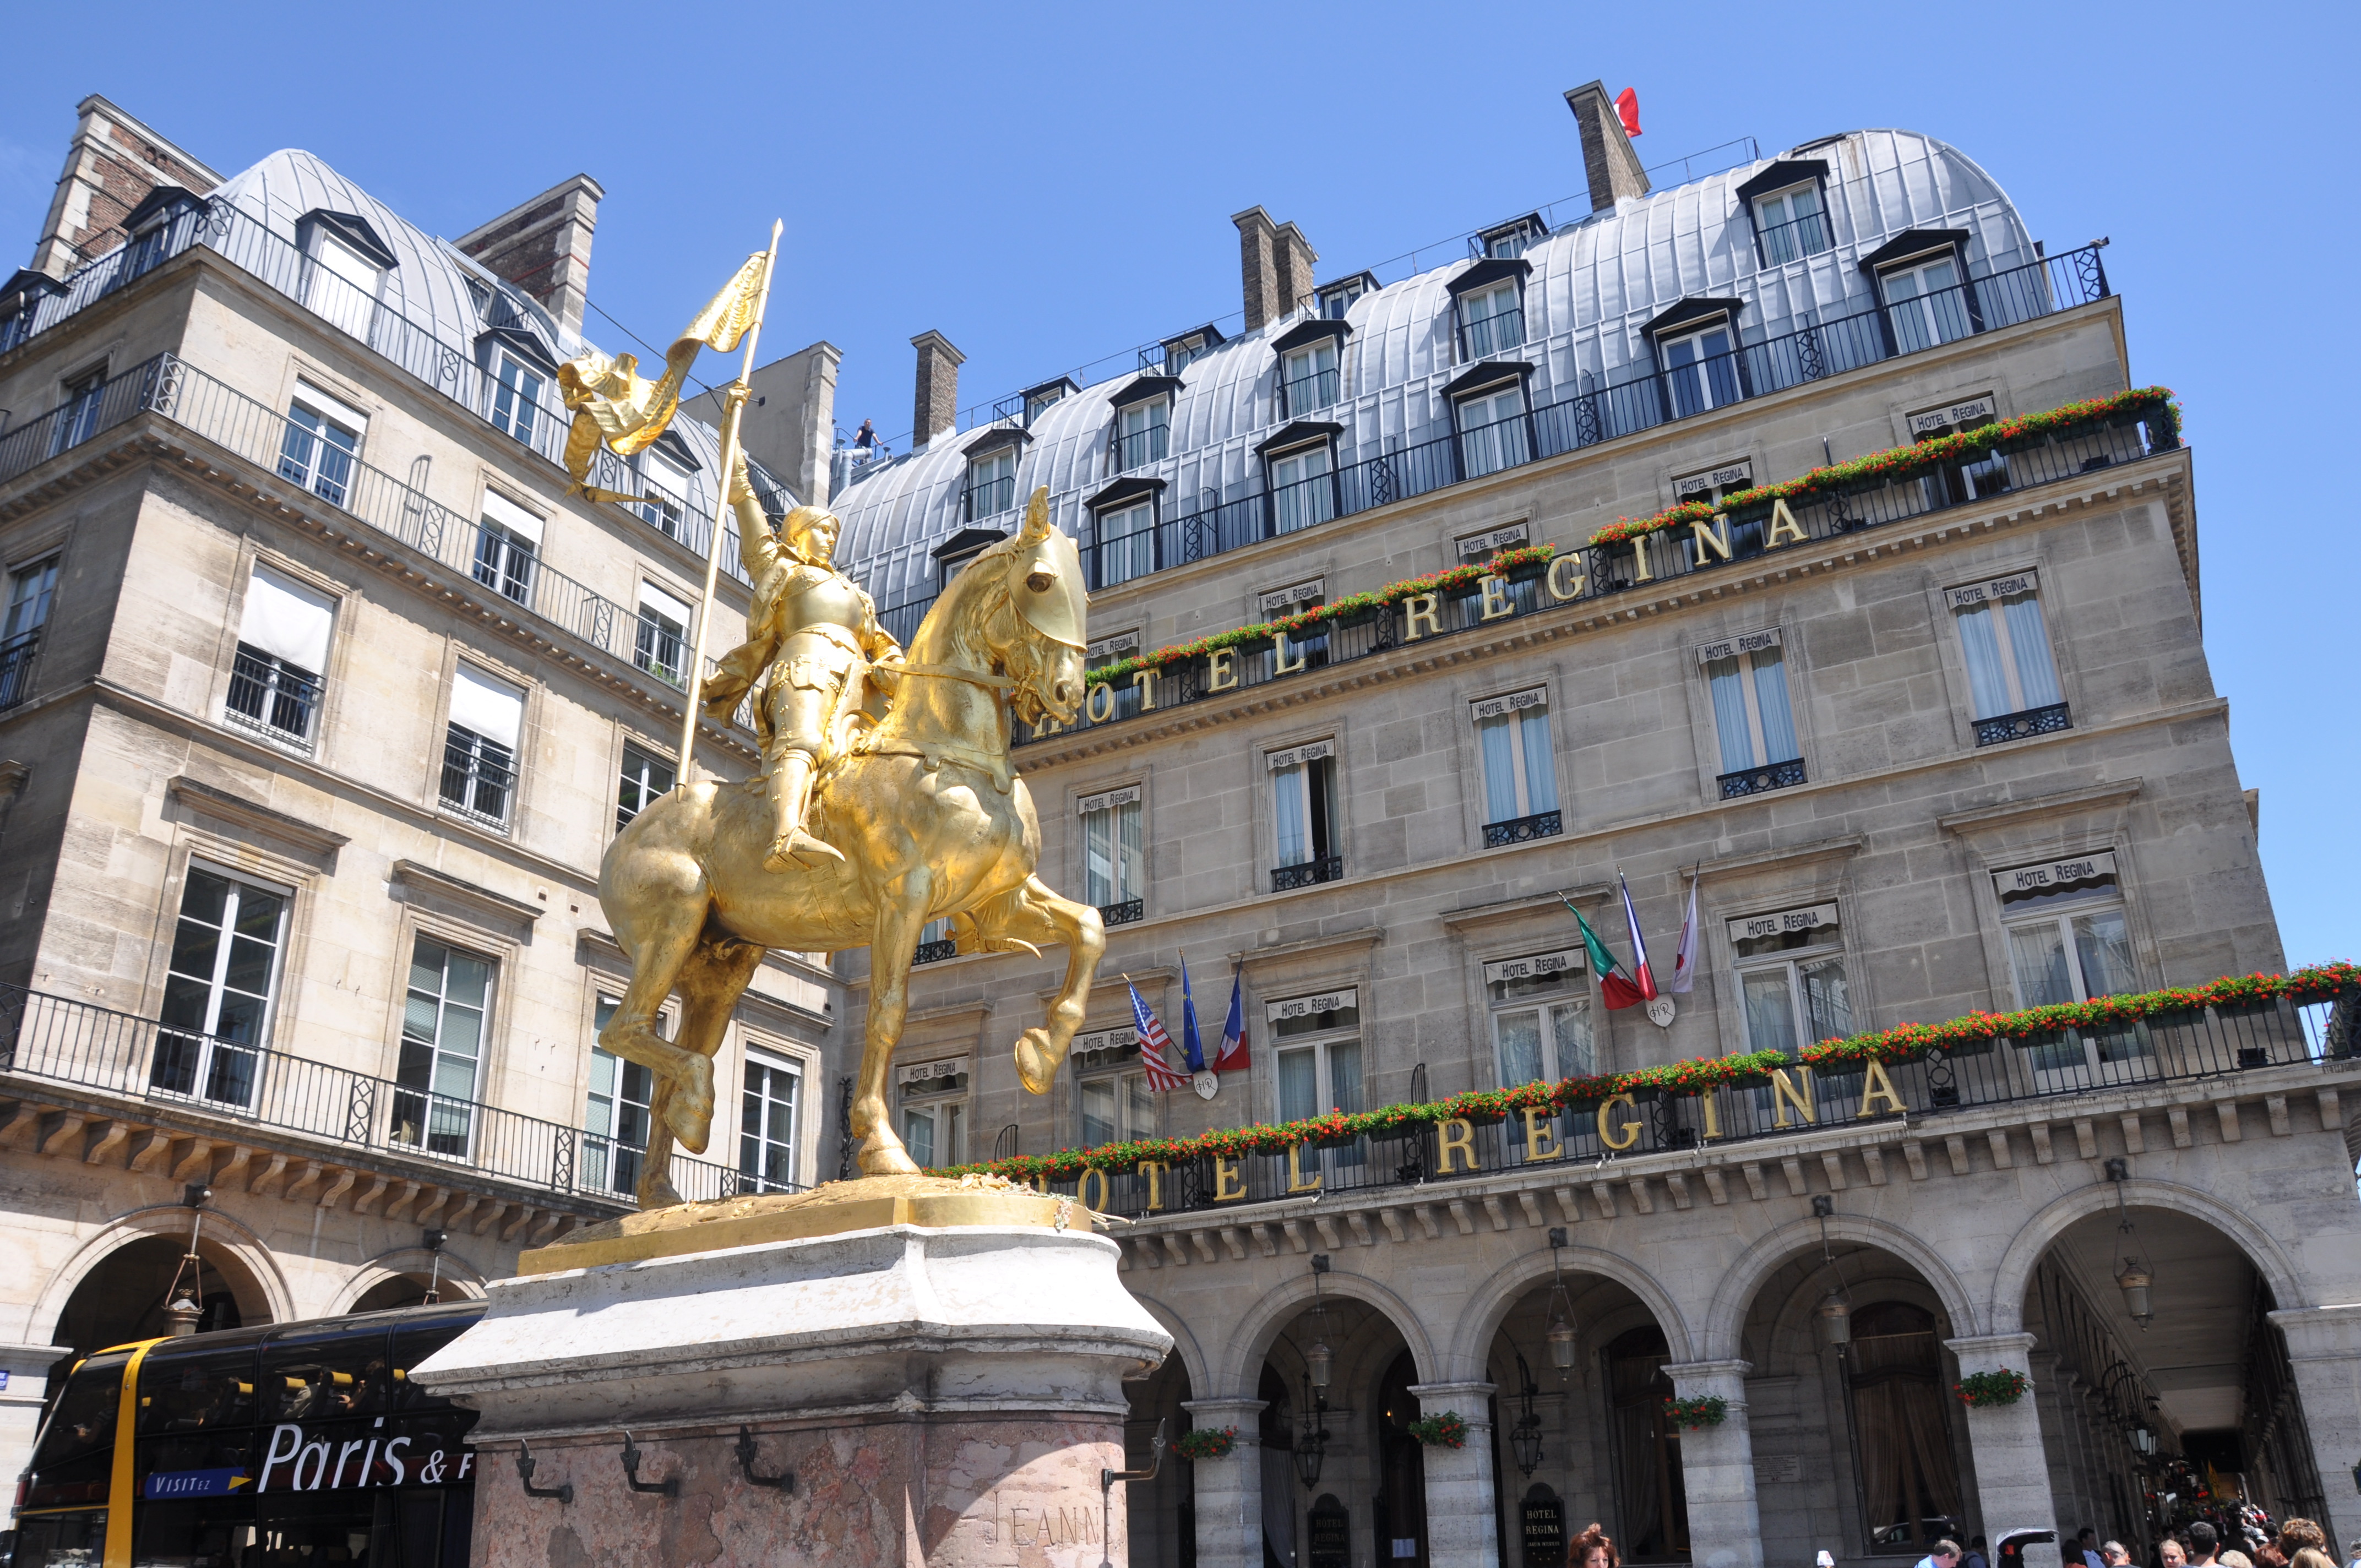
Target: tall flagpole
<point x="731" y="407"/>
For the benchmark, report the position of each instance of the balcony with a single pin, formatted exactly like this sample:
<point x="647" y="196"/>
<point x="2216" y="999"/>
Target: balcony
<point x="1308" y="873"/>
<point x="231" y="1090"/>
<point x="1655" y="563"/>
<point x="1522" y="829"/>
<point x="17" y="656"/>
<point x="936" y="951"/>
<point x="1756" y="781"/>
<point x="271" y="697"/>
<point x="1123" y="914"/>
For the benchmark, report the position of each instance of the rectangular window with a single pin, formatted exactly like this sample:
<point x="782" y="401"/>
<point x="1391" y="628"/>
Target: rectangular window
<point x="1492" y="431"/>
<point x="1302" y="492"/>
<point x="507" y="548"/>
<point x="30" y="589"/>
<point x="660" y="641"/>
<point x="1127" y="543"/>
<point x="1491" y="321"/>
<point x="1143" y="432"/>
<point x="1700" y="370"/>
<point x="1512" y="735"/>
<point x="1791" y="978"/>
<point x="992" y="484"/>
<point x="1792" y="224"/>
<point x="2011" y="675"/>
<point x="323" y="438"/>
<point x="1753" y="718"/>
<point x="2069" y="940"/>
<point x="1309" y="379"/>
<point x="442" y="1023"/>
<point x="645" y="777"/>
<point x="934" y="1111"/>
<point x="1115" y="1108"/>
<point x="83" y="400"/>
<point x="343" y="284"/>
<point x="666" y="485"/>
<point x="1309" y="652"/>
<point x="616" y="1124"/>
<point x="1037" y="402"/>
<point x="1318" y="1057"/>
<point x="1925" y="304"/>
<point x="1303" y="792"/>
<point x="480" y="745"/>
<point x="516" y="398"/>
<point x="1113" y="873"/>
<point x="217" y="992"/>
<point x="282" y="646"/>
<point x="1541" y="1017"/>
<point x="766" y="1124"/>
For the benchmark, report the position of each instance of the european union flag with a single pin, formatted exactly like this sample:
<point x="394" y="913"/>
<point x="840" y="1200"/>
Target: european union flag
<point x="1190" y="1047"/>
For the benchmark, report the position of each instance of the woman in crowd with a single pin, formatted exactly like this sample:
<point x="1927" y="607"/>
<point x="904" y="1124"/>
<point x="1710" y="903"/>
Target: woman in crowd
<point x="1594" y="1549"/>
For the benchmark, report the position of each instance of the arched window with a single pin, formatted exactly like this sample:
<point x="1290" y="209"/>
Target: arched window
<point x="1901" y="1428"/>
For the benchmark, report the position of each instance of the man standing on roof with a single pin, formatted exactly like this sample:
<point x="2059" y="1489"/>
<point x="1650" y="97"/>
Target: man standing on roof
<point x="813" y="645"/>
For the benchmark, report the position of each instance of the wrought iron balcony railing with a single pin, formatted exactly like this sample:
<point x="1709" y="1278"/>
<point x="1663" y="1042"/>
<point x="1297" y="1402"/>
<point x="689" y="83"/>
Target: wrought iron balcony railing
<point x="17" y="656"/>
<point x="1754" y="781"/>
<point x="174" y="1073"/>
<point x="1523" y="830"/>
<point x="1123" y="913"/>
<point x="1308" y="873"/>
<point x="2210" y="1044"/>
<point x="935" y="953"/>
<point x="269" y="694"/>
<point x="2018" y="726"/>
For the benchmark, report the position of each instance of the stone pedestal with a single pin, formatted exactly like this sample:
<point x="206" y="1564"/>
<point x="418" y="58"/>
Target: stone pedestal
<point x="2013" y="1490"/>
<point x="1718" y="1468"/>
<point x="1463" y="1529"/>
<point x="943" y="1396"/>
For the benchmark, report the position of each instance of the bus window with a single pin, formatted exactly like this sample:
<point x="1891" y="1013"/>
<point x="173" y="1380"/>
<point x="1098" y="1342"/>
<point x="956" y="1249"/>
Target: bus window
<point x="186" y="1386"/>
<point x="60" y="1540"/>
<point x="414" y="1345"/>
<point x="315" y="1375"/>
<point x="74" y="1464"/>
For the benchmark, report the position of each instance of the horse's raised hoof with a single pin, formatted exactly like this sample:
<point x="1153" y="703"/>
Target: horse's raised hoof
<point x="1037" y="1067"/>
<point x="690" y="1111"/>
<point x="656" y="1191"/>
<point x="879" y="1158"/>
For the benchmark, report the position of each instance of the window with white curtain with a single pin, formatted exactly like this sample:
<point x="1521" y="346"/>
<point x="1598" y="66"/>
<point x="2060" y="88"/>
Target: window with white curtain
<point x="1317" y="1055"/>
<point x="1303" y="801"/>
<point x="282" y="647"/>
<point x="660" y="641"/>
<point x="507" y="548"/>
<point x="1492" y="431"/>
<point x="1116" y="1107"/>
<point x="1791" y="977"/>
<point x="1126" y="542"/>
<point x="1142" y="430"/>
<point x="321" y="440"/>
<point x="480" y="745"/>
<point x="1700" y="370"/>
<point x="1753" y="718"/>
<point x="1790" y="224"/>
<point x="342" y="284"/>
<point x="1491" y="321"/>
<point x="665" y="484"/>
<point x="935" y="1110"/>
<point x="443" y="1020"/>
<point x="1541" y="1017"/>
<point x="766" y="1123"/>
<point x="1925" y="303"/>
<point x="992" y="484"/>
<point x="1512" y="732"/>
<point x="2070" y="941"/>
<point x="516" y="397"/>
<point x="1308" y="377"/>
<point x="1113" y="868"/>
<point x="2006" y="645"/>
<point x="1301" y="493"/>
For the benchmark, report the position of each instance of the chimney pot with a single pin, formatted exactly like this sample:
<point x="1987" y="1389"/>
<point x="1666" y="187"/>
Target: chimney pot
<point x="1258" y="265"/>
<point x="1608" y="159"/>
<point x="1294" y="262"/>
<point x="935" y="405"/>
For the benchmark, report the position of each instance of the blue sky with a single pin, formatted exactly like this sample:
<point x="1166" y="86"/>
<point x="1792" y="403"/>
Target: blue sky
<point x="1051" y="185"/>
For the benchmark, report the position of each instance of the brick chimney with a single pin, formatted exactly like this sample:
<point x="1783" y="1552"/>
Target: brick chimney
<point x="112" y="164"/>
<point x="1259" y="264"/>
<point x="934" y="410"/>
<point x="1607" y="157"/>
<point x="789" y="423"/>
<point x="543" y="246"/>
<point x="1295" y="259"/>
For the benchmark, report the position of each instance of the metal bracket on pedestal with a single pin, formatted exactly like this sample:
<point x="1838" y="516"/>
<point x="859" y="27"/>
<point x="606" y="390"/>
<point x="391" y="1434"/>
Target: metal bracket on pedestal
<point x="1107" y="1478"/>
<point x="669" y="1486"/>
<point x="563" y="1491"/>
<point x="784" y="1481"/>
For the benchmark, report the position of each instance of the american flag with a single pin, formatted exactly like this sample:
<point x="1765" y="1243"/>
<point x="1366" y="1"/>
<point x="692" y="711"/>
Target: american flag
<point x="1153" y="1044"/>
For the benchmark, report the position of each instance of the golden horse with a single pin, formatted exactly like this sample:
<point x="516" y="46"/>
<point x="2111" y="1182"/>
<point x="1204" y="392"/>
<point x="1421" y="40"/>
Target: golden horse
<point x="932" y="822"/>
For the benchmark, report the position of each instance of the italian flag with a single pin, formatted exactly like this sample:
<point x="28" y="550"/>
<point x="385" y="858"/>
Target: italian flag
<point x="1618" y="986"/>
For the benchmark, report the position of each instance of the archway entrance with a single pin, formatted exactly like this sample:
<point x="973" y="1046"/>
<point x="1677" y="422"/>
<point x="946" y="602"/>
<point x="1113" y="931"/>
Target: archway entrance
<point x="122" y="1300"/>
<point x="1162" y="1512"/>
<point x="1338" y="1488"/>
<point x="1902" y="1431"/>
<point x="1650" y="1500"/>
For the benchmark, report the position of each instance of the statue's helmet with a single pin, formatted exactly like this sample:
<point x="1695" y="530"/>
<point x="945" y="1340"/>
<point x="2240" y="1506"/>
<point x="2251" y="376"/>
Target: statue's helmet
<point x="1047" y="579"/>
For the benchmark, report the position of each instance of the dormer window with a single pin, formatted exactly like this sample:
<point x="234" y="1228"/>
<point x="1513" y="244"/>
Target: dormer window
<point x="1338" y="298"/>
<point x="1510" y="240"/>
<point x="20" y="304"/>
<point x="1309" y="360"/>
<point x="149" y="224"/>
<point x="953" y="555"/>
<point x="1039" y="398"/>
<point x="1489" y="300"/>
<point x="1488" y="410"/>
<point x="516" y="395"/>
<point x="1787" y="203"/>
<point x="1697" y="351"/>
<point x="992" y="483"/>
<point x="1300" y="469"/>
<point x="1143" y="421"/>
<point x="1922" y="282"/>
<point x="1185" y="350"/>
<point x="1123" y="518"/>
<point x="345" y="270"/>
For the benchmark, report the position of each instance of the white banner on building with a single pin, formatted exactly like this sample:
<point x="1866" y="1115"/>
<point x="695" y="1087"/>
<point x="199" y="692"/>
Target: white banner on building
<point x="2055" y="873"/>
<point x="1779" y="923"/>
<point x="1311" y="1007"/>
<point x="1511" y="702"/>
<point x="1284" y="602"/>
<point x="1107" y="800"/>
<point x="1478" y="546"/>
<point x="1295" y="756"/>
<point x="929" y="1071"/>
<point x="1112" y="647"/>
<point x="1534" y="966"/>
<point x="1740" y="473"/>
<point x="1119" y="1039"/>
<point x="1967" y="596"/>
<point x="1731" y="647"/>
<point x="1965" y="415"/>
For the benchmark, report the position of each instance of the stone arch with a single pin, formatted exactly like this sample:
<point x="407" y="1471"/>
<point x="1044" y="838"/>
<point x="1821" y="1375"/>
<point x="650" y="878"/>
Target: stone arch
<point x="2035" y="1237"/>
<point x="1481" y="1319"/>
<point x="1257" y="1329"/>
<point x="1184" y="1340"/>
<point x="460" y="1277"/>
<point x="223" y="1238"/>
<point x="1726" y="1318"/>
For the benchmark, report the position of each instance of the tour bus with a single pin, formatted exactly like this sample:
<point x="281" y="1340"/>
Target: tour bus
<point x="292" y="1446"/>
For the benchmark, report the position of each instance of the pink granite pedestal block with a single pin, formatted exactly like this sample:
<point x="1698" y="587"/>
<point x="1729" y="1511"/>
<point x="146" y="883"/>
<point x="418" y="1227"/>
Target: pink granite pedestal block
<point x="943" y="1398"/>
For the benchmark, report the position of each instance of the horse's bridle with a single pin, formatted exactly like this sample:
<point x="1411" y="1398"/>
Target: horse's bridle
<point x="953" y="673"/>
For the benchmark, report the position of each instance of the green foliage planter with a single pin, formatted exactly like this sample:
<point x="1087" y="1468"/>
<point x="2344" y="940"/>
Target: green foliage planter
<point x="1445" y="1430"/>
<point x="1693" y="1413"/>
<point x="1359" y="615"/>
<point x="2036" y="1040"/>
<point x="1989" y="1390"/>
<point x="1204" y="1442"/>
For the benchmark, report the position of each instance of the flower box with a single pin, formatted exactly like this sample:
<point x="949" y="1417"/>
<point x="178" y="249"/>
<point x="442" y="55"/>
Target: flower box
<point x="2173" y="1019"/>
<point x="1466" y="591"/>
<point x="2009" y="445"/>
<point x="1482" y="1118"/>
<point x="2261" y="1007"/>
<point x="1982" y="1048"/>
<point x="1204" y="1442"/>
<point x="1359" y="615"/>
<point x="1445" y="1430"/>
<point x="1342" y="1141"/>
<point x="2036" y="1040"/>
<point x="1528" y="571"/>
<point x="1986" y="1390"/>
<point x="1245" y="647"/>
<point x="1695" y="1413"/>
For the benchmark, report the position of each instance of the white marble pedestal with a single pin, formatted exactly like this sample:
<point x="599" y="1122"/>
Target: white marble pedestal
<point x="944" y="1397"/>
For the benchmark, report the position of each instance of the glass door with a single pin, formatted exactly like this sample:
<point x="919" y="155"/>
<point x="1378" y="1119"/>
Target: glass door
<point x="1927" y="304"/>
<point x="217" y="993"/>
<point x="2071" y="955"/>
<point x="442" y="1046"/>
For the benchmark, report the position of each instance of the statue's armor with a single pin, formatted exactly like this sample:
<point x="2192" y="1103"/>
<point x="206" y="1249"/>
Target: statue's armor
<point x="824" y="625"/>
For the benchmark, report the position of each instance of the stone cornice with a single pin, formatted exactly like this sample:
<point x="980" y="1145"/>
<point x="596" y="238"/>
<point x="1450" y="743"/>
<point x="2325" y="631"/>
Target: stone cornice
<point x="480" y="902"/>
<point x="228" y="807"/>
<point x="1784" y="859"/>
<point x="1344" y="943"/>
<point x="1968" y="822"/>
<point x="1513" y="910"/>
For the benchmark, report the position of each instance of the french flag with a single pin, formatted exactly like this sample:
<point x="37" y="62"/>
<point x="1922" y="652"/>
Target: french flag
<point x="1231" y="1057"/>
<point x="1642" y="980"/>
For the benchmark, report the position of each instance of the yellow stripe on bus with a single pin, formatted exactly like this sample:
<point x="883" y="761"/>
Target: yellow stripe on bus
<point x="120" y="1490"/>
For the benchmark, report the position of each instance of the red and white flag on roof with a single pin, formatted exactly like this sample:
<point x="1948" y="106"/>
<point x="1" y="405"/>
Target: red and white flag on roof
<point x="1627" y="109"/>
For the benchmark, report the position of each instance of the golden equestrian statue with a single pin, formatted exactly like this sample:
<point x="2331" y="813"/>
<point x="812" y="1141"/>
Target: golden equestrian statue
<point x="919" y="815"/>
